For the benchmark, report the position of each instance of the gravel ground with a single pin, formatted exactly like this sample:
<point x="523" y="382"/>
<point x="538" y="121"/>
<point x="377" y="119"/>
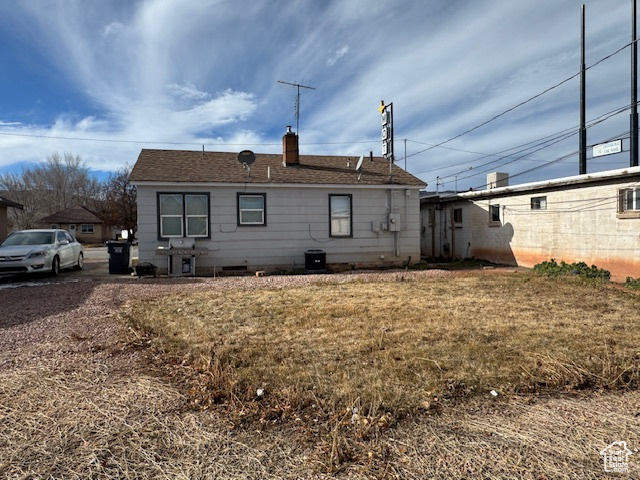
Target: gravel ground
<point x="76" y="313"/>
<point x="77" y="401"/>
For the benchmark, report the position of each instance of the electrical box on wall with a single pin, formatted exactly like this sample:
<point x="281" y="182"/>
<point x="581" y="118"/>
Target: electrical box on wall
<point x="375" y="226"/>
<point x="394" y="222"/>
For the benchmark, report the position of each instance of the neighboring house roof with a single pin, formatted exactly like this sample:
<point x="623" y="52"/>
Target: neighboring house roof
<point x="8" y="203"/>
<point x="171" y="166"/>
<point x="563" y="183"/>
<point x="76" y="214"/>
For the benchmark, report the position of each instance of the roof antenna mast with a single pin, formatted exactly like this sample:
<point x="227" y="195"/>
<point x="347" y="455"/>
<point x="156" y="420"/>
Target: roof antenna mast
<point x="298" y="86"/>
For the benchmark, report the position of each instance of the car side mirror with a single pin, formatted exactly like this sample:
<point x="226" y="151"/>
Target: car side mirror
<point x="63" y="242"/>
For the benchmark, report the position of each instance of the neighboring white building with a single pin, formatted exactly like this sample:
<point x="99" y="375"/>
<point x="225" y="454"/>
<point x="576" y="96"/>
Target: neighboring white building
<point x="594" y="218"/>
<point x="268" y="215"/>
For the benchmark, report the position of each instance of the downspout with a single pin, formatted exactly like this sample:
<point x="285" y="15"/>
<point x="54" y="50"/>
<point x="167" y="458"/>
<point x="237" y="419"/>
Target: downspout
<point x="453" y="236"/>
<point x="432" y="217"/>
<point x="396" y="249"/>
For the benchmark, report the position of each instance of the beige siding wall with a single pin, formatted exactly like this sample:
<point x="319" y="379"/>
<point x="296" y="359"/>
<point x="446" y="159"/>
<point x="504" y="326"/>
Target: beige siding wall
<point x="578" y="224"/>
<point x="297" y="221"/>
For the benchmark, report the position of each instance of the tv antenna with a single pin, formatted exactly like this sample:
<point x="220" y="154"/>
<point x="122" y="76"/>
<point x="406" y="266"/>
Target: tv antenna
<point x="297" y="109"/>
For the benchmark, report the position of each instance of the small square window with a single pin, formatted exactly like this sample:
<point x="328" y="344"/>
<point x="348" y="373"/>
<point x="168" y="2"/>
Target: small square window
<point x="538" y="203"/>
<point x="629" y="200"/>
<point x="252" y="209"/>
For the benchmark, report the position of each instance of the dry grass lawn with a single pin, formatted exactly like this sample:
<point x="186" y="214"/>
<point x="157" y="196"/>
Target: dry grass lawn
<point x="346" y="362"/>
<point x="381" y="376"/>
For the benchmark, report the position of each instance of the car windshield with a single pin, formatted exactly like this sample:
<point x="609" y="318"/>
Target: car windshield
<point x="28" y="238"/>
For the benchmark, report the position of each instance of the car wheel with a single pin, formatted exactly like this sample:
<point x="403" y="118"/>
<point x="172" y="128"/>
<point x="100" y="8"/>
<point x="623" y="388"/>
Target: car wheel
<point x="55" y="266"/>
<point x="80" y="263"/>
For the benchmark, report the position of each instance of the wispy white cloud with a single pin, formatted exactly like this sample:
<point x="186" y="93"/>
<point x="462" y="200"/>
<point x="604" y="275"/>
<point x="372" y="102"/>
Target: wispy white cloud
<point x="187" y="92"/>
<point x="337" y="55"/>
<point x="192" y="72"/>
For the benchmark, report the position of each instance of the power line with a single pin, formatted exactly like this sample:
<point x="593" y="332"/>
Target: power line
<point x="549" y="141"/>
<point x="520" y="104"/>
<point x="151" y="142"/>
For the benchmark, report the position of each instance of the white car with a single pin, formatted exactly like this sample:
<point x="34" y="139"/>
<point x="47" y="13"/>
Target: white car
<point x="35" y="251"/>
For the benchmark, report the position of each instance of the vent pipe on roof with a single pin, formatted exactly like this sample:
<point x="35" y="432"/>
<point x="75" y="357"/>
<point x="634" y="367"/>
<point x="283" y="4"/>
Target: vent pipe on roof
<point x="290" y="152"/>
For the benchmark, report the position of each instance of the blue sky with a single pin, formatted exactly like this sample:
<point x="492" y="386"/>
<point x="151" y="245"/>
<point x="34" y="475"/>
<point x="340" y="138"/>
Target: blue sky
<point x="104" y="79"/>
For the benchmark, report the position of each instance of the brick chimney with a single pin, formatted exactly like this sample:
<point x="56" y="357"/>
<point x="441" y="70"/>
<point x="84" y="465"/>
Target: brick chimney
<point x="290" y="153"/>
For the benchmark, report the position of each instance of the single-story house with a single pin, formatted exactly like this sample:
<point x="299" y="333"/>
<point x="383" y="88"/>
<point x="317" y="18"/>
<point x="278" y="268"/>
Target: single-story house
<point x="246" y="211"/>
<point x="593" y="218"/>
<point x="5" y="204"/>
<point x="81" y="223"/>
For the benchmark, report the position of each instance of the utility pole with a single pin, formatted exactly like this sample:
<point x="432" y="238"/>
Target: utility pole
<point x="583" y="95"/>
<point x="298" y="86"/>
<point x="633" y="124"/>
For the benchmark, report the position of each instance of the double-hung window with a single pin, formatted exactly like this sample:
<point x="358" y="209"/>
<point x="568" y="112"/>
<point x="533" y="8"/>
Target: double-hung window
<point x="340" y="221"/>
<point x="183" y="215"/>
<point x="252" y="209"/>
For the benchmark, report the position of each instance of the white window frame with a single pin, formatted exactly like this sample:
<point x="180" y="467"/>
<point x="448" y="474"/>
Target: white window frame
<point x="341" y="217"/>
<point x="263" y="211"/>
<point x="87" y="228"/>
<point x="184" y="216"/>
<point x="629" y="200"/>
<point x="188" y="215"/>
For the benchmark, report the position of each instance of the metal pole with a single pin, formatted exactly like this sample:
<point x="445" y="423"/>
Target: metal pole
<point x="633" y="125"/>
<point x="405" y="154"/>
<point x="583" y="115"/>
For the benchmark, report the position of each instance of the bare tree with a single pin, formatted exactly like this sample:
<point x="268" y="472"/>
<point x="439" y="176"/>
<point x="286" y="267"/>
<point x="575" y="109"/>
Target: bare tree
<point x="56" y="184"/>
<point x="120" y="206"/>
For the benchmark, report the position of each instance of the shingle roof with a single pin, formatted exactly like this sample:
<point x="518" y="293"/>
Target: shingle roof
<point x="223" y="167"/>
<point x="76" y="214"/>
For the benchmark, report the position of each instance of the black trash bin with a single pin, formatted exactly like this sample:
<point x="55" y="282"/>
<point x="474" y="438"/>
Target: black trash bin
<point x="315" y="261"/>
<point x="119" y="257"/>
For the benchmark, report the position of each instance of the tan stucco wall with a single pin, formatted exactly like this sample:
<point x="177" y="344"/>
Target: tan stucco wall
<point x="100" y="233"/>
<point x="579" y="224"/>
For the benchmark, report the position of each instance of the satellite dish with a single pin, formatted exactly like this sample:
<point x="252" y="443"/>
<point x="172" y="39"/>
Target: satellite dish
<point x="246" y="157"/>
<point x="359" y="164"/>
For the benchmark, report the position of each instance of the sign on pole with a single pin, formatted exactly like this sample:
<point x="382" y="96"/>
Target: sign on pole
<point x="608" y="148"/>
<point x="386" y="111"/>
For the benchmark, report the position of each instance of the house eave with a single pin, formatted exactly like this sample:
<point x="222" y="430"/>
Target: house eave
<point x="369" y="186"/>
